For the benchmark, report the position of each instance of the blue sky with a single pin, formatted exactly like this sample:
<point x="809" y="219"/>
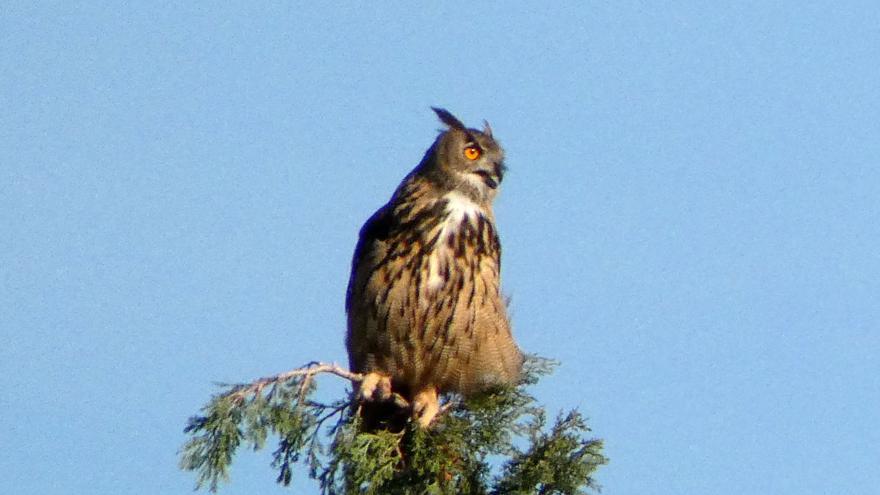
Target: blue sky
<point x="690" y="222"/>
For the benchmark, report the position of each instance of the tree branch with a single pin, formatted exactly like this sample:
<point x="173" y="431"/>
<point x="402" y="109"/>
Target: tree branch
<point x="307" y="372"/>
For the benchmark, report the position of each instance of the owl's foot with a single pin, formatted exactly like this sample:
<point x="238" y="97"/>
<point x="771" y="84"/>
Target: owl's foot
<point x="375" y="386"/>
<point x="425" y="407"/>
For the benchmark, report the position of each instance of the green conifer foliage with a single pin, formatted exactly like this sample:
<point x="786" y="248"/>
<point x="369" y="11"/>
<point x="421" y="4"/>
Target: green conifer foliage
<point x="497" y="443"/>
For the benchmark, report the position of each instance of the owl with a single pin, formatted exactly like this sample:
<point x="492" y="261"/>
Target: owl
<point x="426" y="315"/>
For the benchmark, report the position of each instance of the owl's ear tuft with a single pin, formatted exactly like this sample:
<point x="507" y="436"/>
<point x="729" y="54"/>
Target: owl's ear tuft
<point x="487" y="129"/>
<point x="447" y="118"/>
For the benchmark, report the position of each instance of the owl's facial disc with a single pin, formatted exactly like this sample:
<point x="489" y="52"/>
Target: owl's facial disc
<point x="486" y="168"/>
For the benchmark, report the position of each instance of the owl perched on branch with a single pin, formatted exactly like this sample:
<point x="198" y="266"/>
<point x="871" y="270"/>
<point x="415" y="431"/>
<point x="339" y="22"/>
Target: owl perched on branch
<point x="425" y="310"/>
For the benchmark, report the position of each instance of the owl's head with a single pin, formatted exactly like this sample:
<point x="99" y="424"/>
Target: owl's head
<point x="468" y="160"/>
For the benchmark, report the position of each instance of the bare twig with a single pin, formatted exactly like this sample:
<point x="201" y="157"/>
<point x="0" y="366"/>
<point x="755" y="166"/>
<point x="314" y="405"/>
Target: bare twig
<point x="308" y="372"/>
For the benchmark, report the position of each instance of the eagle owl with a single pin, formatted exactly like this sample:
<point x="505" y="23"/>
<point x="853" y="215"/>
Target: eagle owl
<point x="425" y="311"/>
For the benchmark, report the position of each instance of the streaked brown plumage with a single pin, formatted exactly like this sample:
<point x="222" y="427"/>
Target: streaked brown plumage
<point x="425" y="310"/>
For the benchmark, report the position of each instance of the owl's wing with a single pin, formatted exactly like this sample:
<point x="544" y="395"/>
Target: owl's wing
<point x="371" y="240"/>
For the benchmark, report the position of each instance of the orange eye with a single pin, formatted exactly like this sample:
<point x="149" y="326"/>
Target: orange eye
<point x="472" y="152"/>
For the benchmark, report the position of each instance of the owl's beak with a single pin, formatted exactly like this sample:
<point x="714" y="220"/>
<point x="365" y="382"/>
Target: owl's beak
<point x="490" y="178"/>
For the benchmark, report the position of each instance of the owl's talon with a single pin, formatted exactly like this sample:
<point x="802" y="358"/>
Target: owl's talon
<point x="425" y="407"/>
<point x="375" y="386"/>
<point x="383" y="389"/>
<point x="368" y="386"/>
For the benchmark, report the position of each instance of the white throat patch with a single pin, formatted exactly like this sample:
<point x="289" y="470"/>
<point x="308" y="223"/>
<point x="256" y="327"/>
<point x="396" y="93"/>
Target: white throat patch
<point x="458" y="207"/>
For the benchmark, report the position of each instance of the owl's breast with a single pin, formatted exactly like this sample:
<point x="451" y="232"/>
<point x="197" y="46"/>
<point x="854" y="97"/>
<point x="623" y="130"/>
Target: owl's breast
<point x="427" y="305"/>
<point x="462" y="237"/>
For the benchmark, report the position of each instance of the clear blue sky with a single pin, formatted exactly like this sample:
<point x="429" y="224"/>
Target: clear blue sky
<point x="690" y="223"/>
